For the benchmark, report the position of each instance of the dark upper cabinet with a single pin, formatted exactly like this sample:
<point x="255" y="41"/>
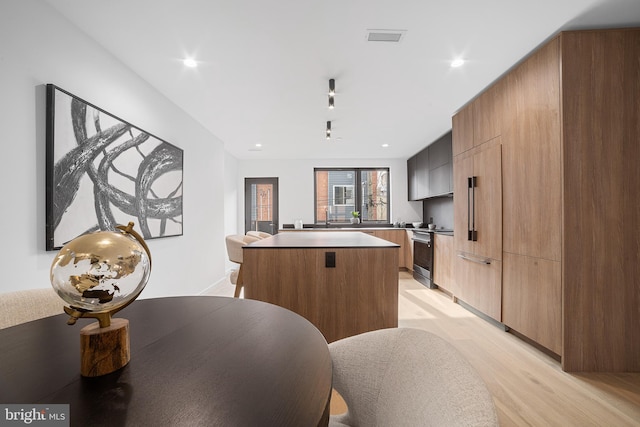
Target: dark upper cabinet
<point x="440" y="152"/>
<point x="430" y="172"/>
<point x="418" y="175"/>
<point x="440" y="180"/>
<point x="412" y="178"/>
<point x="441" y="166"/>
<point x="422" y="174"/>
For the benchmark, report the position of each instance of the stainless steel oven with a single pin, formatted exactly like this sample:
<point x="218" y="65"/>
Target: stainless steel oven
<point x="423" y="257"/>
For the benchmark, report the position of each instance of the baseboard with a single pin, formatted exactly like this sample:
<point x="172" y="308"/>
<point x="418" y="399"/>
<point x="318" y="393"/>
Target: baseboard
<point x="481" y="315"/>
<point x="218" y="283"/>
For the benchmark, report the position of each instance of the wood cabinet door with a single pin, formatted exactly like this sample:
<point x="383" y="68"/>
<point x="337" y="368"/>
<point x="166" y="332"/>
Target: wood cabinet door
<point x="479" y="284"/>
<point x="489" y="113"/>
<point x="399" y="237"/>
<point x="462" y="130"/>
<point x="462" y="170"/>
<point x="532" y="169"/>
<point x="532" y="299"/>
<point x="408" y="249"/>
<point x="478" y="209"/>
<point x="487" y="202"/>
<point x="443" y="262"/>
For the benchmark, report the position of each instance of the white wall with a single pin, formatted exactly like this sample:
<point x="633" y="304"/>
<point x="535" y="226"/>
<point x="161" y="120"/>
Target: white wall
<point x="38" y="46"/>
<point x="295" y="186"/>
<point x="231" y="196"/>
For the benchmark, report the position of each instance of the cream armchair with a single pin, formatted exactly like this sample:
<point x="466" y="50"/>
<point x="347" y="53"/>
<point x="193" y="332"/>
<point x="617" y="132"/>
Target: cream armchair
<point x="27" y="305"/>
<point x="258" y="234"/>
<point x="407" y="377"/>
<point x="235" y="242"/>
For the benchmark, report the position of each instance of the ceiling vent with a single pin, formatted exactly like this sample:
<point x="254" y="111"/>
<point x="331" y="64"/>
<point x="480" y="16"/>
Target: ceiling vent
<point x="394" y="36"/>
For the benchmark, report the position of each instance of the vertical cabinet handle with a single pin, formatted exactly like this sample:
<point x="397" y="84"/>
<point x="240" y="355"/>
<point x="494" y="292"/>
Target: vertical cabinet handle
<point x="469" y="191"/>
<point x="472" y="234"/>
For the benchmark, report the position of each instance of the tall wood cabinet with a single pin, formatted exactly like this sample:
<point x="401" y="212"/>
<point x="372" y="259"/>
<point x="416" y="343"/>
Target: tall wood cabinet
<point x="568" y="119"/>
<point x="532" y="190"/>
<point x="600" y="95"/>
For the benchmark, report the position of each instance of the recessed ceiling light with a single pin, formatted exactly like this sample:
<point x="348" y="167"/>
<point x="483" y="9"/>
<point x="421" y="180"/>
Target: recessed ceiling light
<point x="385" y="145"/>
<point x="458" y="62"/>
<point x="258" y="145"/>
<point x="190" y="62"/>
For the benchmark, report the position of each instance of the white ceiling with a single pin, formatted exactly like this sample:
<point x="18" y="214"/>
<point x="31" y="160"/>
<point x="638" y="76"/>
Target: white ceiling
<point x="264" y="66"/>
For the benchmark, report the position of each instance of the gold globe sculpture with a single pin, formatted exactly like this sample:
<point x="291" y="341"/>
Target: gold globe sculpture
<point x="98" y="274"/>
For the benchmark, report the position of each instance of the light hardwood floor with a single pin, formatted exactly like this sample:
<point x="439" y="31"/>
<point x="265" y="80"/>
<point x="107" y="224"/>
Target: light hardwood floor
<point x="528" y="387"/>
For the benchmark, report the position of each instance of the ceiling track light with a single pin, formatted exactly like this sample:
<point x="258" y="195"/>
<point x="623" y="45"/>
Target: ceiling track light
<point x="332" y="92"/>
<point x="328" y="129"/>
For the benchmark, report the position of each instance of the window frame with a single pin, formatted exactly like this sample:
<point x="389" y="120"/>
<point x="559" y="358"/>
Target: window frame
<point x="344" y="195"/>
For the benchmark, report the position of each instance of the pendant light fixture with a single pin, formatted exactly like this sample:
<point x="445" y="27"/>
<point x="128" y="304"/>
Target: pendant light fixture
<point x="328" y="129"/>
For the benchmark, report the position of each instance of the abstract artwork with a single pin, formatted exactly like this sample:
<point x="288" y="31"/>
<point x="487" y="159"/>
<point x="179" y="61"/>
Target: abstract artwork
<point x="103" y="171"/>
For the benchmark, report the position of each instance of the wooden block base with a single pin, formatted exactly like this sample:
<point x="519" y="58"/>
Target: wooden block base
<point x="104" y="350"/>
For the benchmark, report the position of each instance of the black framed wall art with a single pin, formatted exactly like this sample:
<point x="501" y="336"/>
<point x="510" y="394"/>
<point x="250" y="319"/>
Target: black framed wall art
<point x="102" y="171"/>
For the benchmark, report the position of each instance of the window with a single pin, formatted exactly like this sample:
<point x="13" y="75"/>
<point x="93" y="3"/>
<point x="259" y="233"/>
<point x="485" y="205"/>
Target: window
<point x="339" y="191"/>
<point x="343" y="195"/>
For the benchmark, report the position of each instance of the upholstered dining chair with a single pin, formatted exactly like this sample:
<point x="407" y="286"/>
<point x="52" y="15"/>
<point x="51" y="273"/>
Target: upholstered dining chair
<point x="407" y="377"/>
<point x="235" y="242"/>
<point x="258" y="234"/>
<point x="26" y="305"/>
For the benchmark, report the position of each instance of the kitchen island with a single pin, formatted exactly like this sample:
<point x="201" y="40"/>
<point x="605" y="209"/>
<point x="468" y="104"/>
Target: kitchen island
<point x="401" y="236"/>
<point x="345" y="283"/>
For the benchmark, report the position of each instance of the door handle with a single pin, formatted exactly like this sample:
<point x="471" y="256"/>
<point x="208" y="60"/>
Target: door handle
<point x="472" y="234"/>
<point x="469" y="190"/>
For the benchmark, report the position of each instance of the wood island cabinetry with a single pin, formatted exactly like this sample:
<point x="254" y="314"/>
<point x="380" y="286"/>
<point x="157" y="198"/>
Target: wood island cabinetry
<point x="345" y="283"/>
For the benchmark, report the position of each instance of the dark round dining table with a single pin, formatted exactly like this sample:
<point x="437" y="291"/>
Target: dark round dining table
<point x="195" y="361"/>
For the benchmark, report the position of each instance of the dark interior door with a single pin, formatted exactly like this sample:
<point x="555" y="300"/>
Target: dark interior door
<point x="261" y="204"/>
